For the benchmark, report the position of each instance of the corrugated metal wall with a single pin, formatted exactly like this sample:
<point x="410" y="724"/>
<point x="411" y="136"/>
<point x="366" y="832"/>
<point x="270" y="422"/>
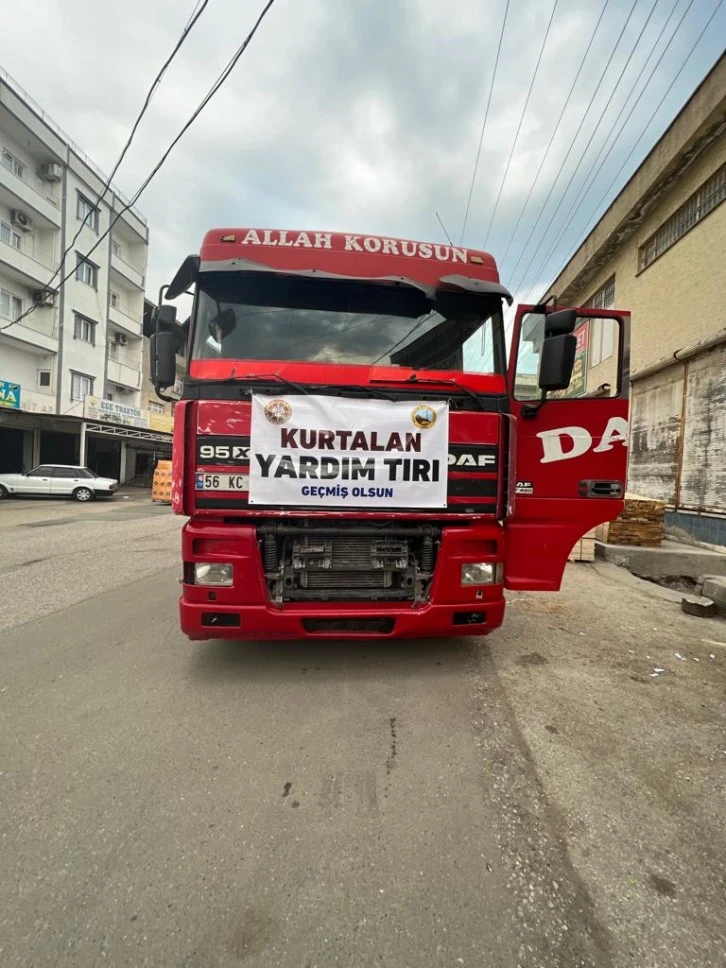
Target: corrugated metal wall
<point x="677" y="452"/>
<point x="655" y="421"/>
<point x="703" y="475"/>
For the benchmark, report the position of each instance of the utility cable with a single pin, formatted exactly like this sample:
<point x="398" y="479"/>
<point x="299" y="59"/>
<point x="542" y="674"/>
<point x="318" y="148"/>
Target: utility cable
<point x="484" y="124"/>
<point x="575" y="137"/>
<point x="554" y="133"/>
<point x="519" y="126"/>
<point x="606" y="194"/>
<point x="593" y="133"/>
<point x="210" y="94"/>
<point x="599" y="162"/>
<point x="196" y="14"/>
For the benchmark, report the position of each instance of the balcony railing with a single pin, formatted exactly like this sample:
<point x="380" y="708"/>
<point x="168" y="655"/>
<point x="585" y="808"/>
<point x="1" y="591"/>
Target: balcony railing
<point x="29" y="197"/>
<point x="128" y="271"/>
<point x="121" y="373"/>
<point x="37" y="332"/>
<point x="131" y="324"/>
<point x="36" y="270"/>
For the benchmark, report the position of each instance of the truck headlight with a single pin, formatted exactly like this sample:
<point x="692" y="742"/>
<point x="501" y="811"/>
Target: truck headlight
<point x="482" y="573"/>
<point x="213" y="574"/>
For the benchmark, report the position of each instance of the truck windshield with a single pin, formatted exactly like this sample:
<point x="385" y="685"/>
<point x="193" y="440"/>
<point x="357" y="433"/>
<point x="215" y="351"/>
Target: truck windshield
<point x="245" y="317"/>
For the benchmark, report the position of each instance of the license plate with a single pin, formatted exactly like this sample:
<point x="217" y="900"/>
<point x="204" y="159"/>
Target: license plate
<point x="222" y="482"/>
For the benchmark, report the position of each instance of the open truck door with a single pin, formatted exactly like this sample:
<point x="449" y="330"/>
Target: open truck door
<point x="568" y="447"/>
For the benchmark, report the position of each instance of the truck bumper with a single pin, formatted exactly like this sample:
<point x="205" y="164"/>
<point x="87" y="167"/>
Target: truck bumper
<point x="259" y="622"/>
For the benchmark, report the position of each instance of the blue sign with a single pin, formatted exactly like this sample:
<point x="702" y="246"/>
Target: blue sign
<point x="10" y="395"/>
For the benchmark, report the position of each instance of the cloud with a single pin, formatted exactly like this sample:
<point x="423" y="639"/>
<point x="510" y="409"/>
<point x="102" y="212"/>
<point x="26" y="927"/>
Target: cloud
<point x="350" y="116"/>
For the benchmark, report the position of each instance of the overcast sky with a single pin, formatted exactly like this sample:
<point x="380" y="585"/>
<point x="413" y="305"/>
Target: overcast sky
<point x="360" y="115"/>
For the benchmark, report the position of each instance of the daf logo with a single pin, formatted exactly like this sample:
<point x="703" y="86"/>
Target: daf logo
<point x="472" y="460"/>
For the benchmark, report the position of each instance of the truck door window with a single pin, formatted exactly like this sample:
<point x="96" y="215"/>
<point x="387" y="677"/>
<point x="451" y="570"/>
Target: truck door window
<point x="594" y="374"/>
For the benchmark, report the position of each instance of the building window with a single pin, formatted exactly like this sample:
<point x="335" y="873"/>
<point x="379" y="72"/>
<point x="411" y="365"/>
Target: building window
<point x="81" y="386"/>
<point x="87" y="212"/>
<point x="44" y="379"/>
<point x="602" y="331"/>
<point x="11" y="307"/>
<point x="12" y="164"/>
<point x="115" y="300"/>
<point x="156" y="407"/>
<point x="698" y="206"/>
<point x="108" y="396"/>
<point x="10" y="236"/>
<point x="86" y="272"/>
<point x="84" y="329"/>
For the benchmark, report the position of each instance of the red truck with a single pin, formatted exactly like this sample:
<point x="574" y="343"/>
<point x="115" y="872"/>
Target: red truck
<point x="358" y="452"/>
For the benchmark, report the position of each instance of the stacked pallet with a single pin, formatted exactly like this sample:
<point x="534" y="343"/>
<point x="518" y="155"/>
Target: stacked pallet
<point x="584" y="550"/>
<point x="161" y="485"/>
<point x="640" y="524"/>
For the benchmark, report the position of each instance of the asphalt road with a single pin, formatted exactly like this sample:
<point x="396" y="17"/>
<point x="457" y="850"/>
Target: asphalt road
<point x="540" y="798"/>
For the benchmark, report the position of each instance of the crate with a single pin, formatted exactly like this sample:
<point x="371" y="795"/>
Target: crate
<point x="161" y="484"/>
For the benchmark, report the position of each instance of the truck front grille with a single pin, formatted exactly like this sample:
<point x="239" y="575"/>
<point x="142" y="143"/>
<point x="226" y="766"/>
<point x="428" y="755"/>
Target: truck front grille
<point x="349" y="563"/>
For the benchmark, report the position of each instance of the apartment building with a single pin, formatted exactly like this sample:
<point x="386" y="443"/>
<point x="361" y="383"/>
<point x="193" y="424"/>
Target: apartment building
<point x="658" y="251"/>
<point x="62" y="347"/>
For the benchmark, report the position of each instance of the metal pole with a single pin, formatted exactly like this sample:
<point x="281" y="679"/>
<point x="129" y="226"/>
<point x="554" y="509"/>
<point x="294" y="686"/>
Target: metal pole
<point x="82" y="458"/>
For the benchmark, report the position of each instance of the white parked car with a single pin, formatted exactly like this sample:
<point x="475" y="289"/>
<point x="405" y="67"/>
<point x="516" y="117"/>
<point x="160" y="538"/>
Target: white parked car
<point x="58" y="480"/>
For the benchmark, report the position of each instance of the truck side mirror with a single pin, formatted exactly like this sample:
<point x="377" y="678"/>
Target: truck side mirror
<point x="560" y="323"/>
<point x="557" y="362"/>
<point x="185" y="277"/>
<point x="163" y="359"/>
<point x="166" y="316"/>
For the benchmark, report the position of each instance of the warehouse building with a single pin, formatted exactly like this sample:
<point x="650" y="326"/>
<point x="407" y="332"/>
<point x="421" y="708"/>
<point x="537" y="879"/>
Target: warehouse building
<point x="659" y="251"/>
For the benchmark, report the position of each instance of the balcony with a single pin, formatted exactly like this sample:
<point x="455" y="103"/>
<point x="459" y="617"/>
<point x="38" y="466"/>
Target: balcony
<point x="130" y="324"/>
<point x="17" y="192"/>
<point x="27" y="269"/>
<point x="37" y="333"/>
<point x="123" y="375"/>
<point x="131" y="273"/>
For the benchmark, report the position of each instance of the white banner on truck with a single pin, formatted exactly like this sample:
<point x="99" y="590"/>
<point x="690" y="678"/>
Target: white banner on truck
<point x="325" y="452"/>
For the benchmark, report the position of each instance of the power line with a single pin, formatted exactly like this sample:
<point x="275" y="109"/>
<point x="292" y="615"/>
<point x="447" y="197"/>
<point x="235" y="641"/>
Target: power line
<point x="484" y="124"/>
<point x="203" y="103"/>
<point x="196" y="14"/>
<point x="444" y="228"/>
<point x="596" y="167"/>
<point x="660" y="105"/>
<point x="521" y="122"/>
<point x="575" y="137"/>
<point x="554" y="132"/>
<point x="593" y="133"/>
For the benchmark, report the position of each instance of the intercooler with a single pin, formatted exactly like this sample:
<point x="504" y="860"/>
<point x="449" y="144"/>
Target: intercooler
<point x="351" y="563"/>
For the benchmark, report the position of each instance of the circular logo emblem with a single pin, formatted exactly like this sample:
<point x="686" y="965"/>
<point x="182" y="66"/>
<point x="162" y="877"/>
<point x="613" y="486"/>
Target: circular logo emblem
<point x="423" y="417"/>
<point x="278" y="411"/>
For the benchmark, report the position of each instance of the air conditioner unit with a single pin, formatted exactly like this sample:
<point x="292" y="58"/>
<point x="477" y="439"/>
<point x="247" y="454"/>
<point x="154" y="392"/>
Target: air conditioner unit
<point x="124" y="390"/>
<point x="44" y="297"/>
<point x="20" y="220"/>
<point x="120" y="338"/>
<point x="51" y="172"/>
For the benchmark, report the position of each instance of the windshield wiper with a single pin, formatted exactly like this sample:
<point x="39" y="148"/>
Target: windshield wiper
<point x="250" y="378"/>
<point x="296" y="387"/>
<point x="455" y="383"/>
